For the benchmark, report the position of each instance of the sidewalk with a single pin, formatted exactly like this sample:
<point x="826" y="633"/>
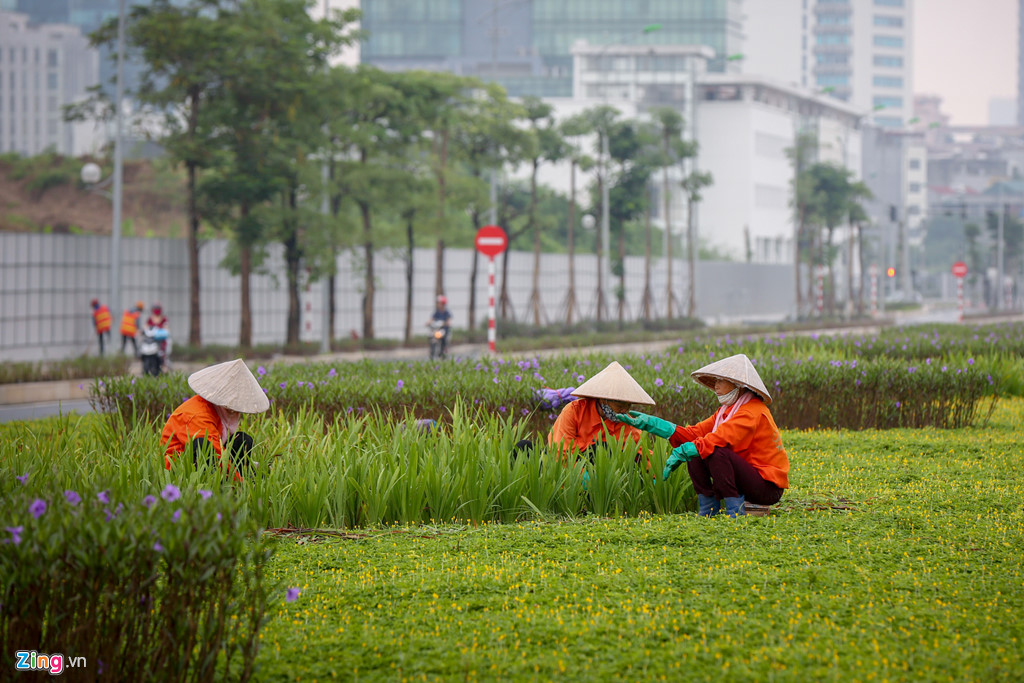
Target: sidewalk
<point x="41" y="392"/>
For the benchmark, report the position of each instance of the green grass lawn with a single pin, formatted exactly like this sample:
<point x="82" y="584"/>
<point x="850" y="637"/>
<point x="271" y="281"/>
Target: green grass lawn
<point x="896" y="555"/>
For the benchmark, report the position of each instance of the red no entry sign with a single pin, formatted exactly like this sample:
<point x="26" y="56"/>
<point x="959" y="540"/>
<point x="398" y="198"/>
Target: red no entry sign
<point x="959" y="269"/>
<point x="491" y="240"/>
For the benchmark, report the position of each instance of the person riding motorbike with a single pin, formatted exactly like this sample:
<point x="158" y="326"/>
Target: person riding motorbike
<point x="440" y="328"/>
<point x="154" y="348"/>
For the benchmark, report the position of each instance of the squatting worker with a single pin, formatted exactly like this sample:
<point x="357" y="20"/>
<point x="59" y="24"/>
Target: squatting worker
<point x="209" y="420"/>
<point x="736" y="454"/>
<point x="588" y="422"/>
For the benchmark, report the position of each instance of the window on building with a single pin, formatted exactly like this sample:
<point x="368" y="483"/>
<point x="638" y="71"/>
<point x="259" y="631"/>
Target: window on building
<point x="914" y="188"/>
<point x="51" y="58"/>
<point x="887" y="81"/>
<point x="886" y="20"/>
<point x="833" y="79"/>
<point x="889" y="3"/>
<point x="913" y="210"/>
<point x="834" y="20"/>
<point x="888" y="60"/>
<point x="888" y="102"/>
<point x="833" y="59"/>
<point x="51" y="80"/>
<point x="914" y="164"/>
<point x="833" y="39"/>
<point x="888" y="41"/>
<point x="889" y="121"/>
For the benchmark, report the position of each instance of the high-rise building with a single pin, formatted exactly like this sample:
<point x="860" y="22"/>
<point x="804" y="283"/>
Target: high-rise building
<point x="42" y="68"/>
<point x="526" y="44"/>
<point x="1020" y="62"/>
<point x="87" y="15"/>
<point x="859" y="51"/>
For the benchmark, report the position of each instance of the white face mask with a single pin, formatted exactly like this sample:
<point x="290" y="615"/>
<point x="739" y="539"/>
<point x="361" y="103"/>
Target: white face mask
<point x="730" y="398"/>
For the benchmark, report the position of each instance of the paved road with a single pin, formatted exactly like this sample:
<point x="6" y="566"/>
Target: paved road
<point x="34" y="411"/>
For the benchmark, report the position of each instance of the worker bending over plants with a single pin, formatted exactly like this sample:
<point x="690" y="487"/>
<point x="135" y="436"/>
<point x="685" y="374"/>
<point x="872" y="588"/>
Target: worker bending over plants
<point x="736" y="454"/>
<point x="207" y="424"/>
<point x="586" y="423"/>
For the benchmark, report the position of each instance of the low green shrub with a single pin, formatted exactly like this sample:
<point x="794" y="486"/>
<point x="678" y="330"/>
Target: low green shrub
<point x="169" y="586"/>
<point x="84" y="367"/>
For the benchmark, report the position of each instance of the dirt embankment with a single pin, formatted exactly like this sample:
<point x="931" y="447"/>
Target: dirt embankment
<point x="154" y="203"/>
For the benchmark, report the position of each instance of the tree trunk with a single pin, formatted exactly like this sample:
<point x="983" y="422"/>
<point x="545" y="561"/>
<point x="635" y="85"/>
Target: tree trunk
<point x="293" y="264"/>
<point x="532" y="225"/>
<point x="368" y="284"/>
<point x="621" y="293"/>
<point x="691" y="249"/>
<point x="195" y="313"/>
<point x="669" y="293"/>
<point x="570" y="297"/>
<point x="860" y="259"/>
<point x="408" y="276"/>
<point x="473" y="272"/>
<point x="646" y="303"/>
<point x="799" y="228"/>
<point x="442" y="190"/>
<point x="600" y="247"/>
<point x="245" y="268"/>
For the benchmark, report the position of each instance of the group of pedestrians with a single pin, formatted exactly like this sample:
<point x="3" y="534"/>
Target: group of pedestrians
<point x="150" y="343"/>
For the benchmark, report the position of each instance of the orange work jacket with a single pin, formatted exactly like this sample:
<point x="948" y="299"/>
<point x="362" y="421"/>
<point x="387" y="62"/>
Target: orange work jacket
<point x="580" y="424"/>
<point x="194" y="418"/>
<point x="101" y="318"/>
<point x="129" y="323"/>
<point x="750" y="432"/>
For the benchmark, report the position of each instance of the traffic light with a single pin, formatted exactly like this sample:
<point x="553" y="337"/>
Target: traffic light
<point x="890" y="272"/>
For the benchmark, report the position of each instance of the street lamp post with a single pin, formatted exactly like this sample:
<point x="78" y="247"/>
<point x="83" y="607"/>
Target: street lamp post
<point x="115" y="228"/>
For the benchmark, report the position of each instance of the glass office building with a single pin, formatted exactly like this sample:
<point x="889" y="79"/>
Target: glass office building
<point x="526" y="44"/>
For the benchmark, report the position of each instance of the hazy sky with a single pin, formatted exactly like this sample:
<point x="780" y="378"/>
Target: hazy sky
<point x="966" y="52"/>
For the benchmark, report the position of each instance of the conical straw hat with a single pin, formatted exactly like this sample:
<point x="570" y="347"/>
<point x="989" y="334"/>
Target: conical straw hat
<point x="737" y="369"/>
<point x="615" y="384"/>
<point x="230" y="385"/>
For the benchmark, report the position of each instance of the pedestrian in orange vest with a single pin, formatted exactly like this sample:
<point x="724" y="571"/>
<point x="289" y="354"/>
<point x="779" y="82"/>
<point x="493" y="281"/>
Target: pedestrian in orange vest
<point x="130" y="326"/>
<point x="206" y="425"/>
<point x="102" y="320"/>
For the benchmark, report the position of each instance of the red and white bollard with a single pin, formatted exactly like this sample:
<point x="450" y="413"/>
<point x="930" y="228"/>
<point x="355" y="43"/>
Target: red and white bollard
<point x="820" y="292"/>
<point x="960" y="299"/>
<point x="492" y="330"/>
<point x="873" y="278"/>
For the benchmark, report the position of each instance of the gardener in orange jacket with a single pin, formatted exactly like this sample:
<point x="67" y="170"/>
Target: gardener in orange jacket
<point x="130" y="326"/>
<point x="209" y="421"/>
<point x="590" y="421"/>
<point x="102" y="320"/>
<point x="736" y="454"/>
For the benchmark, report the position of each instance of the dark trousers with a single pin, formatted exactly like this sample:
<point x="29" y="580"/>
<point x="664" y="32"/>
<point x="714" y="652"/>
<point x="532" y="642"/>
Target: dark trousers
<point x="151" y="365"/>
<point x="724" y="474"/>
<point x="101" y="335"/>
<point x="238" y="449"/>
<point x="125" y="339"/>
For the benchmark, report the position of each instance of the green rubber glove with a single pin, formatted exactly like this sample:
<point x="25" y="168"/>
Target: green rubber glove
<point x="648" y="423"/>
<point x="680" y="454"/>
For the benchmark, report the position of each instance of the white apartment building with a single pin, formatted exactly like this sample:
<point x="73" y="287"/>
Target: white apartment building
<point x="858" y="51"/>
<point x="43" y="68"/>
<point x="745" y="125"/>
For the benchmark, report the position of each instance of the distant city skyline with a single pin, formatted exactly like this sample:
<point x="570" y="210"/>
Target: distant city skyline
<point x="966" y="53"/>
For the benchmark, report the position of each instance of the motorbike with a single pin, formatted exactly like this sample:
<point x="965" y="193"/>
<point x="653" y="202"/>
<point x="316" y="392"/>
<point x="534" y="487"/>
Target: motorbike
<point x="154" y="348"/>
<point x="438" y="339"/>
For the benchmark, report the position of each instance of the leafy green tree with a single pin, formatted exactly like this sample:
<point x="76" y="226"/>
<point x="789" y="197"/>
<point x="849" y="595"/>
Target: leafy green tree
<point x="572" y="129"/>
<point x="834" y="196"/>
<point x="268" y="121"/>
<point x="485" y="137"/>
<point x="182" y="48"/>
<point x="674" y="150"/>
<point x="544" y="143"/>
<point x="801" y="156"/>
